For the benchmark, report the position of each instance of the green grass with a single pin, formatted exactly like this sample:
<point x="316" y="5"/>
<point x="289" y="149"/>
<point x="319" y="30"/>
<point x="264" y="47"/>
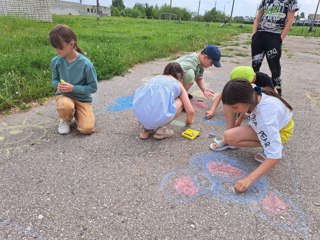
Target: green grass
<point x="112" y="44"/>
<point x="304" y="31"/>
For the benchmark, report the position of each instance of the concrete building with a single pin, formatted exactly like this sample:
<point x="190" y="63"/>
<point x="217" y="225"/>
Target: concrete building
<point x="35" y="9"/>
<point x="311" y="17"/>
<point x="42" y="10"/>
<point x="59" y="7"/>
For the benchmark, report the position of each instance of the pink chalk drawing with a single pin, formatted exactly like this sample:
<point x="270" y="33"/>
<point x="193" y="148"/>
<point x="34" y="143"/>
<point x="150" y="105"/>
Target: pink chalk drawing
<point x="214" y="175"/>
<point x="185" y="185"/>
<point x="224" y="170"/>
<point x="274" y="204"/>
<point x="199" y="104"/>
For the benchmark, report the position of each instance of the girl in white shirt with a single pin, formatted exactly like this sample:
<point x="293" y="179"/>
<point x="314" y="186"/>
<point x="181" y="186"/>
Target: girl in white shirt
<point x="270" y="125"/>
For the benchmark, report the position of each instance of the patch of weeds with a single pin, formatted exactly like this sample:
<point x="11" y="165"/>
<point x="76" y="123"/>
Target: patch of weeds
<point x="241" y="54"/>
<point x="227" y="54"/>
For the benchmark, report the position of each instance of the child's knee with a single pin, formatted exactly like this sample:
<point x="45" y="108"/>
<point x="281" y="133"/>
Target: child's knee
<point x="65" y="104"/>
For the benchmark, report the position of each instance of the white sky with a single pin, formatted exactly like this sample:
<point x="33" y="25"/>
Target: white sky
<point x="241" y="7"/>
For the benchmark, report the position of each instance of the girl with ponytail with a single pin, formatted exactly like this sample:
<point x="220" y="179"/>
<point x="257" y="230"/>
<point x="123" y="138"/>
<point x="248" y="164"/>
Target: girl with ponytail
<point x="159" y="101"/>
<point x="74" y="79"/>
<point x="270" y="125"/>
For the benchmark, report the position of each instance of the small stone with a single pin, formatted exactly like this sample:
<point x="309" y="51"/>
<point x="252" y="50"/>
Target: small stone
<point x="40" y="216"/>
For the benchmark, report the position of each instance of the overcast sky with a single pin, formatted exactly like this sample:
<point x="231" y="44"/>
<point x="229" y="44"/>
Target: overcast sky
<point x="241" y="7"/>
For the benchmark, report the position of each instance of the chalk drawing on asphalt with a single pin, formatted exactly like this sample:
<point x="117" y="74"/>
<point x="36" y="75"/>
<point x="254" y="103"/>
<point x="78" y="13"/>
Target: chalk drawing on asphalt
<point x="214" y="175"/>
<point x="18" y="137"/>
<point x="122" y="104"/>
<point x="27" y="231"/>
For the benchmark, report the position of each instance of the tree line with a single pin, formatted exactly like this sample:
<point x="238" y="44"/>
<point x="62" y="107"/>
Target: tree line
<point x="165" y="11"/>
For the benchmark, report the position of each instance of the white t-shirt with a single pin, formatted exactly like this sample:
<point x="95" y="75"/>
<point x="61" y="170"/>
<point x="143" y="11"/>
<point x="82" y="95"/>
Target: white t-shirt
<point x="267" y="119"/>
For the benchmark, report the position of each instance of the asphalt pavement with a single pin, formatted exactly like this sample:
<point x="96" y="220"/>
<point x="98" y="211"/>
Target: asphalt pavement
<point x="112" y="185"/>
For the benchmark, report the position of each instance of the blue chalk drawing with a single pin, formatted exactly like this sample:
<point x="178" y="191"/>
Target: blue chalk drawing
<point x="214" y="122"/>
<point x="122" y="104"/>
<point x="214" y="175"/>
<point x="27" y="231"/>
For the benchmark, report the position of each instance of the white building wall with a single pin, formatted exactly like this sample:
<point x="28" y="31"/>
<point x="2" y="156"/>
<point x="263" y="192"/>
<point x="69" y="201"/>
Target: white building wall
<point x="35" y="9"/>
<point x="70" y="8"/>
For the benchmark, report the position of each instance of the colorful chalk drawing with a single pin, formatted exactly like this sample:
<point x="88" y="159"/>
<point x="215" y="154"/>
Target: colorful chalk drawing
<point x="122" y="104"/>
<point x="19" y="137"/>
<point x="178" y="123"/>
<point x="214" y="175"/>
<point x="214" y="122"/>
<point x="27" y="231"/>
<point x="198" y="104"/>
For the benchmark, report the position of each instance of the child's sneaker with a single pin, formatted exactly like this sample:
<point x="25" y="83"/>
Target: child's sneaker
<point x="64" y="127"/>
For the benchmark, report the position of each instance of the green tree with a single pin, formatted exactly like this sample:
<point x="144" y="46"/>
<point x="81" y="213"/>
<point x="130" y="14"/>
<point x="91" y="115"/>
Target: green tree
<point x="141" y="8"/>
<point x="115" y="11"/>
<point x="213" y="16"/>
<point x="148" y="10"/>
<point x="118" y="4"/>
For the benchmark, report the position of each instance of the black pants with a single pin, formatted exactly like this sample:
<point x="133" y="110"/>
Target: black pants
<point x="269" y="44"/>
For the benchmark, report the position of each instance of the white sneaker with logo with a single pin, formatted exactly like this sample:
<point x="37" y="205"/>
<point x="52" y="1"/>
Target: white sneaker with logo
<point x="64" y="127"/>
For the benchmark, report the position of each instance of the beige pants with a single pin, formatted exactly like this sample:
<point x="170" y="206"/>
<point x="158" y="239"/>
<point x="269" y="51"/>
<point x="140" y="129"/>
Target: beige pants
<point x="82" y="111"/>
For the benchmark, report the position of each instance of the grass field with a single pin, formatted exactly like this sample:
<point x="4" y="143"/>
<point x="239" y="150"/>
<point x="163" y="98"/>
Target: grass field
<point x="112" y="44"/>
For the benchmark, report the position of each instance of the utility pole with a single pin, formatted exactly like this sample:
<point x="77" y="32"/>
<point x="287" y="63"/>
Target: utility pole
<point x="80" y="1"/>
<point x="232" y="11"/>
<point x="314" y="18"/>
<point x="215" y="5"/>
<point x="170" y="3"/>
<point x="98" y="11"/>
<point x="199" y="9"/>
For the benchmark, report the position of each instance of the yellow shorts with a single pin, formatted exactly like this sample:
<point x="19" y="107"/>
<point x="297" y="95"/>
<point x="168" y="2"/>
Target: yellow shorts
<point x="287" y="131"/>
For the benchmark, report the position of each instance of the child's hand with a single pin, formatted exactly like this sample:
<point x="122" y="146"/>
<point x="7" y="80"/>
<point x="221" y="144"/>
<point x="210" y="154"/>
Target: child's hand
<point x="189" y="122"/>
<point x="243" y="184"/>
<point x="209" y="114"/>
<point x="65" y="87"/>
<point x="208" y="93"/>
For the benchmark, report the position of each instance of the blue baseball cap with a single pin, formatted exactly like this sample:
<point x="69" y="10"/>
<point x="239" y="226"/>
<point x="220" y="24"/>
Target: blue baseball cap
<point x="213" y="52"/>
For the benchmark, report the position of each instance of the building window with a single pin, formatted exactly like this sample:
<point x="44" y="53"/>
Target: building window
<point x="91" y="10"/>
<point x="88" y="9"/>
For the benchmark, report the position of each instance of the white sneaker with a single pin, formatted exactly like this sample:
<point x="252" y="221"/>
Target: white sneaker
<point x="64" y="127"/>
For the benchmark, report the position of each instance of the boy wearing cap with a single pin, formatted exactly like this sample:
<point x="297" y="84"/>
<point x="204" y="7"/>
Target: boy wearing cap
<point x="193" y="66"/>
<point x="270" y="27"/>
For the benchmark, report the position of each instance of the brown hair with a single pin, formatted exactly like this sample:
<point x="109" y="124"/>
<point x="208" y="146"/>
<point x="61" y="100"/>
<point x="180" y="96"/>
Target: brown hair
<point x="173" y="69"/>
<point x="62" y="33"/>
<point x="241" y="91"/>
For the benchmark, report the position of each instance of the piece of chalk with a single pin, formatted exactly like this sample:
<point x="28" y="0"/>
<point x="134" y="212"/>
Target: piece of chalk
<point x="212" y="135"/>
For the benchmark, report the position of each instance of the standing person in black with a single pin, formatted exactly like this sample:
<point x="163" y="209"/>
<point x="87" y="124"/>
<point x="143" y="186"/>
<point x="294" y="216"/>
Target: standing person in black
<point x="270" y="28"/>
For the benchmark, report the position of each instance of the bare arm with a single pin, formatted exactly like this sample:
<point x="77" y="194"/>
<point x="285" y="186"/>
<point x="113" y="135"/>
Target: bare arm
<point x="256" y="21"/>
<point x="290" y="20"/>
<point x="214" y="106"/>
<point x="239" y="120"/>
<point x="243" y="184"/>
<point x="202" y="85"/>
<point x="186" y="104"/>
